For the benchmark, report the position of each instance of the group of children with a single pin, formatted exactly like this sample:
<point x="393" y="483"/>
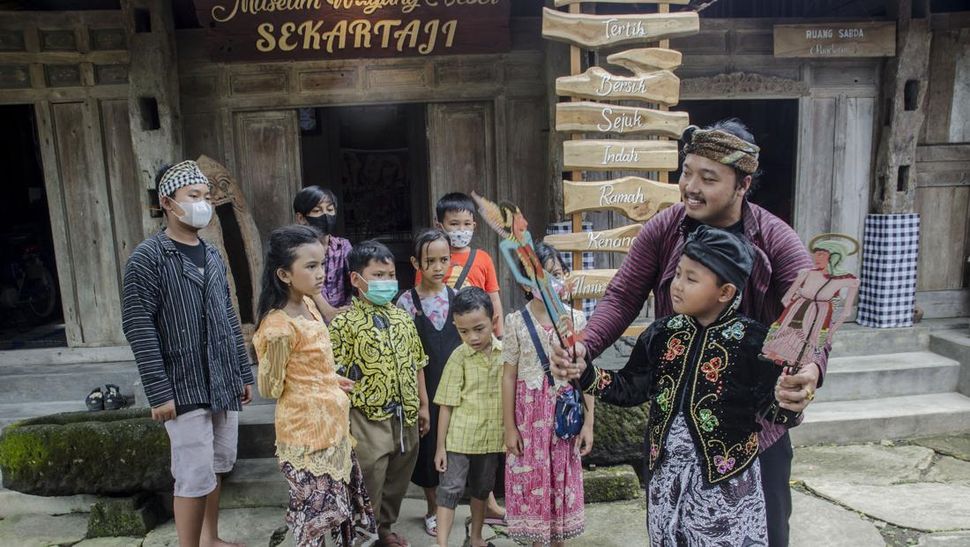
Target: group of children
<point x="425" y="389"/>
<point x="428" y="390"/>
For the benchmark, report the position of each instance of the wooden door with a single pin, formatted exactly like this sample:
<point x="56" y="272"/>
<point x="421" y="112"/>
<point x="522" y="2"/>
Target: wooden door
<point x="95" y="212"/>
<point x="268" y="165"/>
<point x="461" y="154"/>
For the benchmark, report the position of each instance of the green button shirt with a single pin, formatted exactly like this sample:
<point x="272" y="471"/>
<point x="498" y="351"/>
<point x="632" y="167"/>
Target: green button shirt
<point x="472" y="384"/>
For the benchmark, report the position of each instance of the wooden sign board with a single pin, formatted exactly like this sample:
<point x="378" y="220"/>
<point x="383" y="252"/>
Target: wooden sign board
<point x="617" y="240"/>
<point x="637" y="198"/>
<point x="619" y="155"/>
<point x="647" y="59"/>
<point x="858" y="39"/>
<point x="597" y="31"/>
<point x="560" y="3"/>
<point x="596" y="83"/>
<point x="294" y="30"/>
<point x="608" y="118"/>
<point x="590" y="283"/>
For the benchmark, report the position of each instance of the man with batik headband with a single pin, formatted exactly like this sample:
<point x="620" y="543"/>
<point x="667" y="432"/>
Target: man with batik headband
<point x="719" y="166"/>
<point x="177" y="315"/>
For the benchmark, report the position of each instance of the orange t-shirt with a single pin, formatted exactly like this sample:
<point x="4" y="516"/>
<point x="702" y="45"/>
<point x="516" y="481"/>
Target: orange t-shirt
<point x="482" y="273"/>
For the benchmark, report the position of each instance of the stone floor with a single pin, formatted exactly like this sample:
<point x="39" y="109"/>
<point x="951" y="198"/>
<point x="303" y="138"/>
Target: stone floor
<point x="916" y="493"/>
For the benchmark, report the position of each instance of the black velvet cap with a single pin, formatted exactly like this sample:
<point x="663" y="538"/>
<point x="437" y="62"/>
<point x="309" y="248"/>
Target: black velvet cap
<point x="724" y="253"/>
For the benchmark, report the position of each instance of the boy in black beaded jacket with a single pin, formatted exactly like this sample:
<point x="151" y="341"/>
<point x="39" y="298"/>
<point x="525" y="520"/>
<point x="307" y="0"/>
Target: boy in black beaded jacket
<point x="702" y="373"/>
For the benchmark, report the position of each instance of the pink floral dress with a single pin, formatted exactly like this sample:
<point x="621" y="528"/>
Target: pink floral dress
<point x="543" y="486"/>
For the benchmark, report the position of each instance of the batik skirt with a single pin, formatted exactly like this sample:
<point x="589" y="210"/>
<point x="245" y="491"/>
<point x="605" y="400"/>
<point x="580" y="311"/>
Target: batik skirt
<point x="685" y="510"/>
<point x="320" y="505"/>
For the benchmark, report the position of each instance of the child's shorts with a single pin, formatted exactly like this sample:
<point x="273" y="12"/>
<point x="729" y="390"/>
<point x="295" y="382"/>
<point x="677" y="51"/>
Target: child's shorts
<point x="203" y="445"/>
<point x="478" y="469"/>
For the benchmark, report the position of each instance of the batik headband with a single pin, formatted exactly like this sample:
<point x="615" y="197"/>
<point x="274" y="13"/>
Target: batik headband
<point x="722" y="147"/>
<point x="181" y="174"/>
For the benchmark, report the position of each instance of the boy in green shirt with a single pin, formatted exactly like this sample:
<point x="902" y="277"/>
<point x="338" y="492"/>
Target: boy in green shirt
<point x="470" y="433"/>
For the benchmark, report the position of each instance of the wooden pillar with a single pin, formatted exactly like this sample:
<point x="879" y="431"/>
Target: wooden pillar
<point x="153" y="94"/>
<point x="903" y="109"/>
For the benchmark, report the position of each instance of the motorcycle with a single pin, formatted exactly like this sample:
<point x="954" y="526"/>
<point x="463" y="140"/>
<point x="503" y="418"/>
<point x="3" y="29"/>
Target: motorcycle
<point x="26" y="282"/>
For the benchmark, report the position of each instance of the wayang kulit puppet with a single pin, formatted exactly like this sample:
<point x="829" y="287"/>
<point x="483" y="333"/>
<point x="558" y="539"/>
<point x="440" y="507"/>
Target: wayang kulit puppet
<point x="817" y="304"/>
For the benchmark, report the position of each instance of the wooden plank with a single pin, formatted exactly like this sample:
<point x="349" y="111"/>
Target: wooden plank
<point x="943" y="153"/>
<point x="943" y="237"/>
<point x="648" y="59"/>
<point x="617" y="240"/>
<point x="561" y="3"/>
<point x="590" y="283"/>
<point x="615" y="155"/>
<point x="637" y="198"/>
<point x="849" y="39"/>
<point x="608" y="118"/>
<point x="128" y="203"/>
<point x="596" y="83"/>
<point x="596" y="31"/>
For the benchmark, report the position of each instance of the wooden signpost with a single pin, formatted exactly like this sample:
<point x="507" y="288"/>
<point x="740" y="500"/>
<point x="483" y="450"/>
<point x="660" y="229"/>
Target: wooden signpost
<point x="858" y="39"/>
<point x="617" y="155"/>
<point x="596" y="31"/>
<point x="637" y="198"/>
<point x="653" y="83"/>
<point x="617" y="240"/>
<point x="596" y="83"/>
<point x="608" y="118"/>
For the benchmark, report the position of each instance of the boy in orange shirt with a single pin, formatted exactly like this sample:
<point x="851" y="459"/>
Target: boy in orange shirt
<point x="469" y="267"/>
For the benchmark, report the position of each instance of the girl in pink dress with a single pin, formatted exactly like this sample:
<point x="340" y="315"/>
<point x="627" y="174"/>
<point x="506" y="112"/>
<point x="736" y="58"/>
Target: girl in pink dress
<point x="543" y="475"/>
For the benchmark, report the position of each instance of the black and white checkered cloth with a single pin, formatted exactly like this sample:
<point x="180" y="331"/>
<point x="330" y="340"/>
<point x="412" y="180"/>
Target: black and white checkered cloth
<point x="181" y="174"/>
<point x="589" y="261"/>
<point x="890" y="253"/>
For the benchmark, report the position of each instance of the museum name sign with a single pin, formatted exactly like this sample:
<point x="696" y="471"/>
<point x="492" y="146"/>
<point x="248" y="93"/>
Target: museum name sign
<point x="290" y="30"/>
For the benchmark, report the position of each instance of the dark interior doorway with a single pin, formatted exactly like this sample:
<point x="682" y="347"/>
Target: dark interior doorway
<point x="774" y="124"/>
<point x="30" y="310"/>
<point x="375" y="159"/>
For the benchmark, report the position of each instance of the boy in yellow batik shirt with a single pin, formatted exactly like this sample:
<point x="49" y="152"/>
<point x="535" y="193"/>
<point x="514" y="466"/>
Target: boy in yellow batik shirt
<point x="470" y="432"/>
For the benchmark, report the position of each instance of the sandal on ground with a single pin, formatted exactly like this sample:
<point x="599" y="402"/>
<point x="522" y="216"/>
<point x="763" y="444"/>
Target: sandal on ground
<point x="393" y="540"/>
<point x="95" y="400"/>
<point x="431" y="525"/>
<point x="113" y="399"/>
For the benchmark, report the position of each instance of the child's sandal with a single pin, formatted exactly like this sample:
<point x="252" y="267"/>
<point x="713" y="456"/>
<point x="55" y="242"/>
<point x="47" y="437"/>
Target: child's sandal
<point x="95" y="400"/>
<point x="113" y="399"/>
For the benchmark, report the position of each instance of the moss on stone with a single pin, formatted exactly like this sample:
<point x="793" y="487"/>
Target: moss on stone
<point x="606" y="484"/>
<point x="131" y="516"/>
<point x="117" y="452"/>
<point x="618" y="435"/>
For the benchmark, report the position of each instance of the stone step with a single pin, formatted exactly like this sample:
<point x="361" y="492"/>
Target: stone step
<point x="257" y="433"/>
<point x="892" y="375"/>
<point x="854" y="340"/>
<point x="848" y="422"/>
<point x="12" y="412"/>
<point x="69" y="382"/>
<point x="64" y="356"/>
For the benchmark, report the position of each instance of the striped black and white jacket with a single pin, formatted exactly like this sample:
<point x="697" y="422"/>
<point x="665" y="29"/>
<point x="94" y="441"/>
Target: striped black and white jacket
<point x="182" y="327"/>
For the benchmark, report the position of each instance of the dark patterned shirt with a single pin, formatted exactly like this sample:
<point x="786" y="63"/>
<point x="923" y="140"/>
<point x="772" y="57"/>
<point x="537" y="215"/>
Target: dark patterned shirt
<point x="182" y="327"/>
<point x="336" y="287"/>
<point x="652" y="262"/>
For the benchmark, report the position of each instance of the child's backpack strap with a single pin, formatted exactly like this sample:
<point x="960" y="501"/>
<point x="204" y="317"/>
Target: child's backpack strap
<point x="543" y="358"/>
<point x="467" y="268"/>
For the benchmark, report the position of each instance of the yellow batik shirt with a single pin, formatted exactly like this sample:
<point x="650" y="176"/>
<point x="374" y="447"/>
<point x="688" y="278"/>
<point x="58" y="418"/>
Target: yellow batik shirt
<point x="378" y="347"/>
<point x="472" y="384"/>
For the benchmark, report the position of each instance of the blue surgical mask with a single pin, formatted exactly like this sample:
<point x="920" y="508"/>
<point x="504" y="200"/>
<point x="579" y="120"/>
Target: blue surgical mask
<point x="381" y="291"/>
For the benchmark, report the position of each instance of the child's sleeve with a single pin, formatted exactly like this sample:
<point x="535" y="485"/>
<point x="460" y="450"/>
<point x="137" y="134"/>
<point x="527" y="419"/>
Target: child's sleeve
<point x="491" y="278"/>
<point x="452" y="382"/>
<point x="418" y="357"/>
<point x="273" y="343"/>
<point x="765" y="376"/>
<point x="631" y="385"/>
<point x="340" y="344"/>
<point x="510" y="342"/>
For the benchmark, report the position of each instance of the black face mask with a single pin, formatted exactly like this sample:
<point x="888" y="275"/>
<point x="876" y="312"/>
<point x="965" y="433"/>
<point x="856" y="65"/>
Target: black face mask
<point x="325" y="223"/>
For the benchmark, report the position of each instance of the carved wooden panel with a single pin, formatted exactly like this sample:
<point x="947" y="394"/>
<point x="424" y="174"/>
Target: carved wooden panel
<point x="596" y="31"/>
<point x="14" y="76"/>
<point x="608" y="118"/>
<point x="596" y="83"/>
<point x="647" y="59"/>
<point x="62" y="75"/>
<point x="637" y="198"/>
<point x="590" y="283"/>
<point x="617" y="240"/>
<point x="620" y="155"/>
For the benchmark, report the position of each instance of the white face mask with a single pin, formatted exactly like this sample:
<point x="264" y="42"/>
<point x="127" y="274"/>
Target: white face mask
<point x="460" y="238"/>
<point x="197" y="213"/>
